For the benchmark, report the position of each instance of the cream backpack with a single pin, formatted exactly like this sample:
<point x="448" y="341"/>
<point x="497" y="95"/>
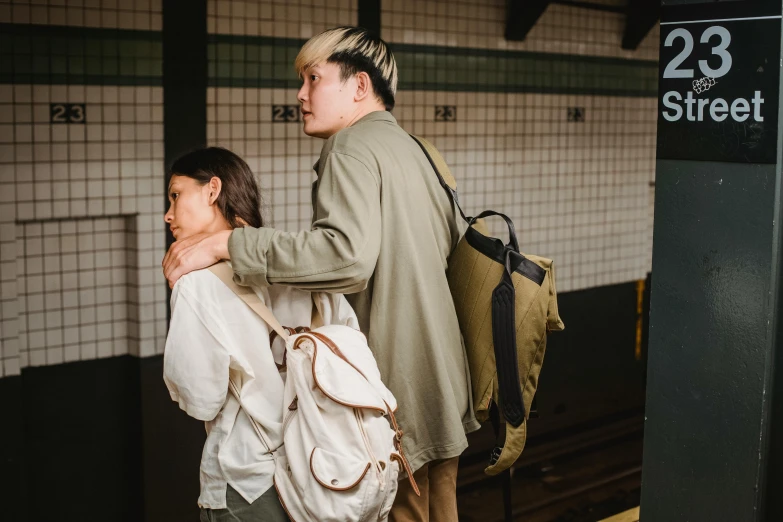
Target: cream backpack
<point x="342" y="448"/>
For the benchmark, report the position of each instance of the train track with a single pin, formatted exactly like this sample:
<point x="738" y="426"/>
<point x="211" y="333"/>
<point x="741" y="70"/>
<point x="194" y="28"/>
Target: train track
<point x="581" y="474"/>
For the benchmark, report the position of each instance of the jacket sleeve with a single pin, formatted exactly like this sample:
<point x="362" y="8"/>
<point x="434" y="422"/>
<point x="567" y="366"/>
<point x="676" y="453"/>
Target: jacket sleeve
<point x="195" y="361"/>
<point x="339" y="252"/>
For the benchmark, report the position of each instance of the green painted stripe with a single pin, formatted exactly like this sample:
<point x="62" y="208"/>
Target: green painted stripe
<point x="252" y="61"/>
<point x="79" y="55"/>
<point x="90" y="56"/>
<point x="268" y="62"/>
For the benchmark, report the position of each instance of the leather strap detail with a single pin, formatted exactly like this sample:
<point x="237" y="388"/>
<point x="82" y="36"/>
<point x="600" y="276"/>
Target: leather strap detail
<point x="398" y="433"/>
<point x="335" y="350"/>
<point x="512" y="233"/>
<point x="300" y="340"/>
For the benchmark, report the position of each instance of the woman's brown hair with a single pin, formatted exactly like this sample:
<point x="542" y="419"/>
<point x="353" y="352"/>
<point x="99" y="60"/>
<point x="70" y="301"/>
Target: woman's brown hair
<point x="239" y="197"/>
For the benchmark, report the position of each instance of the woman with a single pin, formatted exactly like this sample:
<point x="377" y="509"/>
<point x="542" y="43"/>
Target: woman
<point x="216" y="342"/>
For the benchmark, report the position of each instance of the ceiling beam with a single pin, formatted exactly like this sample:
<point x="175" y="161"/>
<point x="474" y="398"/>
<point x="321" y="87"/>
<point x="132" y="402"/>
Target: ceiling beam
<point x="521" y="16"/>
<point x="592" y="5"/>
<point x="640" y="17"/>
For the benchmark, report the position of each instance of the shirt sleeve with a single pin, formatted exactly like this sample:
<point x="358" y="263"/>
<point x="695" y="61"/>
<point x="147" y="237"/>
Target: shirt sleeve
<point x="339" y="252"/>
<point x="335" y="309"/>
<point x="196" y="361"/>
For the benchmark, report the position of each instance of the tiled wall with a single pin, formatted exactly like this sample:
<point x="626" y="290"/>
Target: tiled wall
<point x="76" y="289"/>
<point x="250" y="75"/>
<point x="118" y="14"/>
<point x="578" y="191"/>
<point x="278" y="18"/>
<point x="80" y="228"/>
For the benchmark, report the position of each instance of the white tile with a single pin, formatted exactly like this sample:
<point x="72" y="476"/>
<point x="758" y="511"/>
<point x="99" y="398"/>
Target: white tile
<point x="71" y="353"/>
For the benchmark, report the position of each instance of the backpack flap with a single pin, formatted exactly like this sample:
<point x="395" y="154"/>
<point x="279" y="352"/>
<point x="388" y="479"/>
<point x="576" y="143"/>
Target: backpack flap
<point x="350" y="344"/>
<point x="337" y="378"/>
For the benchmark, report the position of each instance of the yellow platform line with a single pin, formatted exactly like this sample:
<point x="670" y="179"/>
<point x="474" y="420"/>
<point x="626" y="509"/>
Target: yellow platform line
<point x="632" y="515"/>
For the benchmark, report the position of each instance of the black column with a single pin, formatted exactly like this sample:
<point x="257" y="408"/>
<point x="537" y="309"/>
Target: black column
<point x="184" y="76"/>
<point x="370" y="15"/>
<point x="12" y="478"/>
<point x="184" y="80"/>
<point x="172" y="441"/>
<point x="716" y="262"/>
<point x="774" y="479"/>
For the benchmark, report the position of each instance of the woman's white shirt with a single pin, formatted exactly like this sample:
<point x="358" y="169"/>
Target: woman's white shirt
<point x="214" y="335"/>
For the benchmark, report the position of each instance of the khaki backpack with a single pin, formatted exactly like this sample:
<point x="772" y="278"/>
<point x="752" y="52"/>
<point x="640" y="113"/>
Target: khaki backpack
<point x="506" y="304"/>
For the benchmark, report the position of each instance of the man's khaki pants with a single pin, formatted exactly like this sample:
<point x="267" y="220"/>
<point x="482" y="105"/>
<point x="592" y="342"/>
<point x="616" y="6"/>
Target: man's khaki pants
<point x="437" y="482"/>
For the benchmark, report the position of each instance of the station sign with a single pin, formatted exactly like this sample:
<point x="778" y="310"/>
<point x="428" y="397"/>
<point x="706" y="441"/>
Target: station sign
<point x="718" y="80"/>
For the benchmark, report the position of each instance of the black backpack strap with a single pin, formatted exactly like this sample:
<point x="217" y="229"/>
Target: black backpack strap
<point x="494" y="417"/>
<point x="504" y="341"/>
<point x="512" y="234"/>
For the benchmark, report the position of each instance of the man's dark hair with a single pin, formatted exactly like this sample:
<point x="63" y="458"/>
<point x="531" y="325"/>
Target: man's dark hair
<point x="355" y="50"/>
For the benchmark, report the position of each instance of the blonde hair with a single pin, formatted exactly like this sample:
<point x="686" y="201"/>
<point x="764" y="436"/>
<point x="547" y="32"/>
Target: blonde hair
<point x="355" y="50"/>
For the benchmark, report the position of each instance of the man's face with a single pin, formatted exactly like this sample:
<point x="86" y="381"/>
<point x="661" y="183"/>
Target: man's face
<point x="327" y="102"/>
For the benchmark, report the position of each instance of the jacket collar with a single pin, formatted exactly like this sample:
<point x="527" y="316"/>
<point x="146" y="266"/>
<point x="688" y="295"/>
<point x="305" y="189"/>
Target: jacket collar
<point x="377" y="116"/>
<point x="373" y="116"/>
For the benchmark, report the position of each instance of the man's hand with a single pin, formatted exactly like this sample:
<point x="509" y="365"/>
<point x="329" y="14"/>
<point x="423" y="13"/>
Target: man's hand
<point x="194" y="253"/>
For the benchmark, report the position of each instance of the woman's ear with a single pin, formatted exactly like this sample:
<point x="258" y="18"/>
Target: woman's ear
<point x="363" y="86"/>
<point x="215" y="186"/>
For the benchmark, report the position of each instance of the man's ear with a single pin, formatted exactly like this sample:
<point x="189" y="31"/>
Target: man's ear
<point x="215" y="186"/>
<point x="363" y="86"/>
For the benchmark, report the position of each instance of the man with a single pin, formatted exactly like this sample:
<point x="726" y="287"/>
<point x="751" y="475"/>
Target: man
<point x="382" y="230"/>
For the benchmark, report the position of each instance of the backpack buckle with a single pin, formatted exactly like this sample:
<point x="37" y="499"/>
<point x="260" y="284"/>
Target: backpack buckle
<point x="493" y="458"/>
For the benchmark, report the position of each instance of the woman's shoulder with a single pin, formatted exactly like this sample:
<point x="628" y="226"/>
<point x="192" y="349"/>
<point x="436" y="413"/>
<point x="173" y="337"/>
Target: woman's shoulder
<point x="197" y="281"/>
<point x="206" y="287"/>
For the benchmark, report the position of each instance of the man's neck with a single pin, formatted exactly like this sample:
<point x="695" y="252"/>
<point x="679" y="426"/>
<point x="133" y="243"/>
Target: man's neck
<point x="363" y="110"/>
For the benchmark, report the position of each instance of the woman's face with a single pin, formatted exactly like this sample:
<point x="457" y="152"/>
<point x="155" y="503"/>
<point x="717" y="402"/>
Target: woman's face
<point x="190" y="207"/>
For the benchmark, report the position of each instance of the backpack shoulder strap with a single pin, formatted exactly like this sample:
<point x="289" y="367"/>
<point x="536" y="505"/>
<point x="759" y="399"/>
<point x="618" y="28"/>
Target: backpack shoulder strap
<point x="438" y="163"/>
<point x="442" y="170"/>
<point x="224" y="272"/>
